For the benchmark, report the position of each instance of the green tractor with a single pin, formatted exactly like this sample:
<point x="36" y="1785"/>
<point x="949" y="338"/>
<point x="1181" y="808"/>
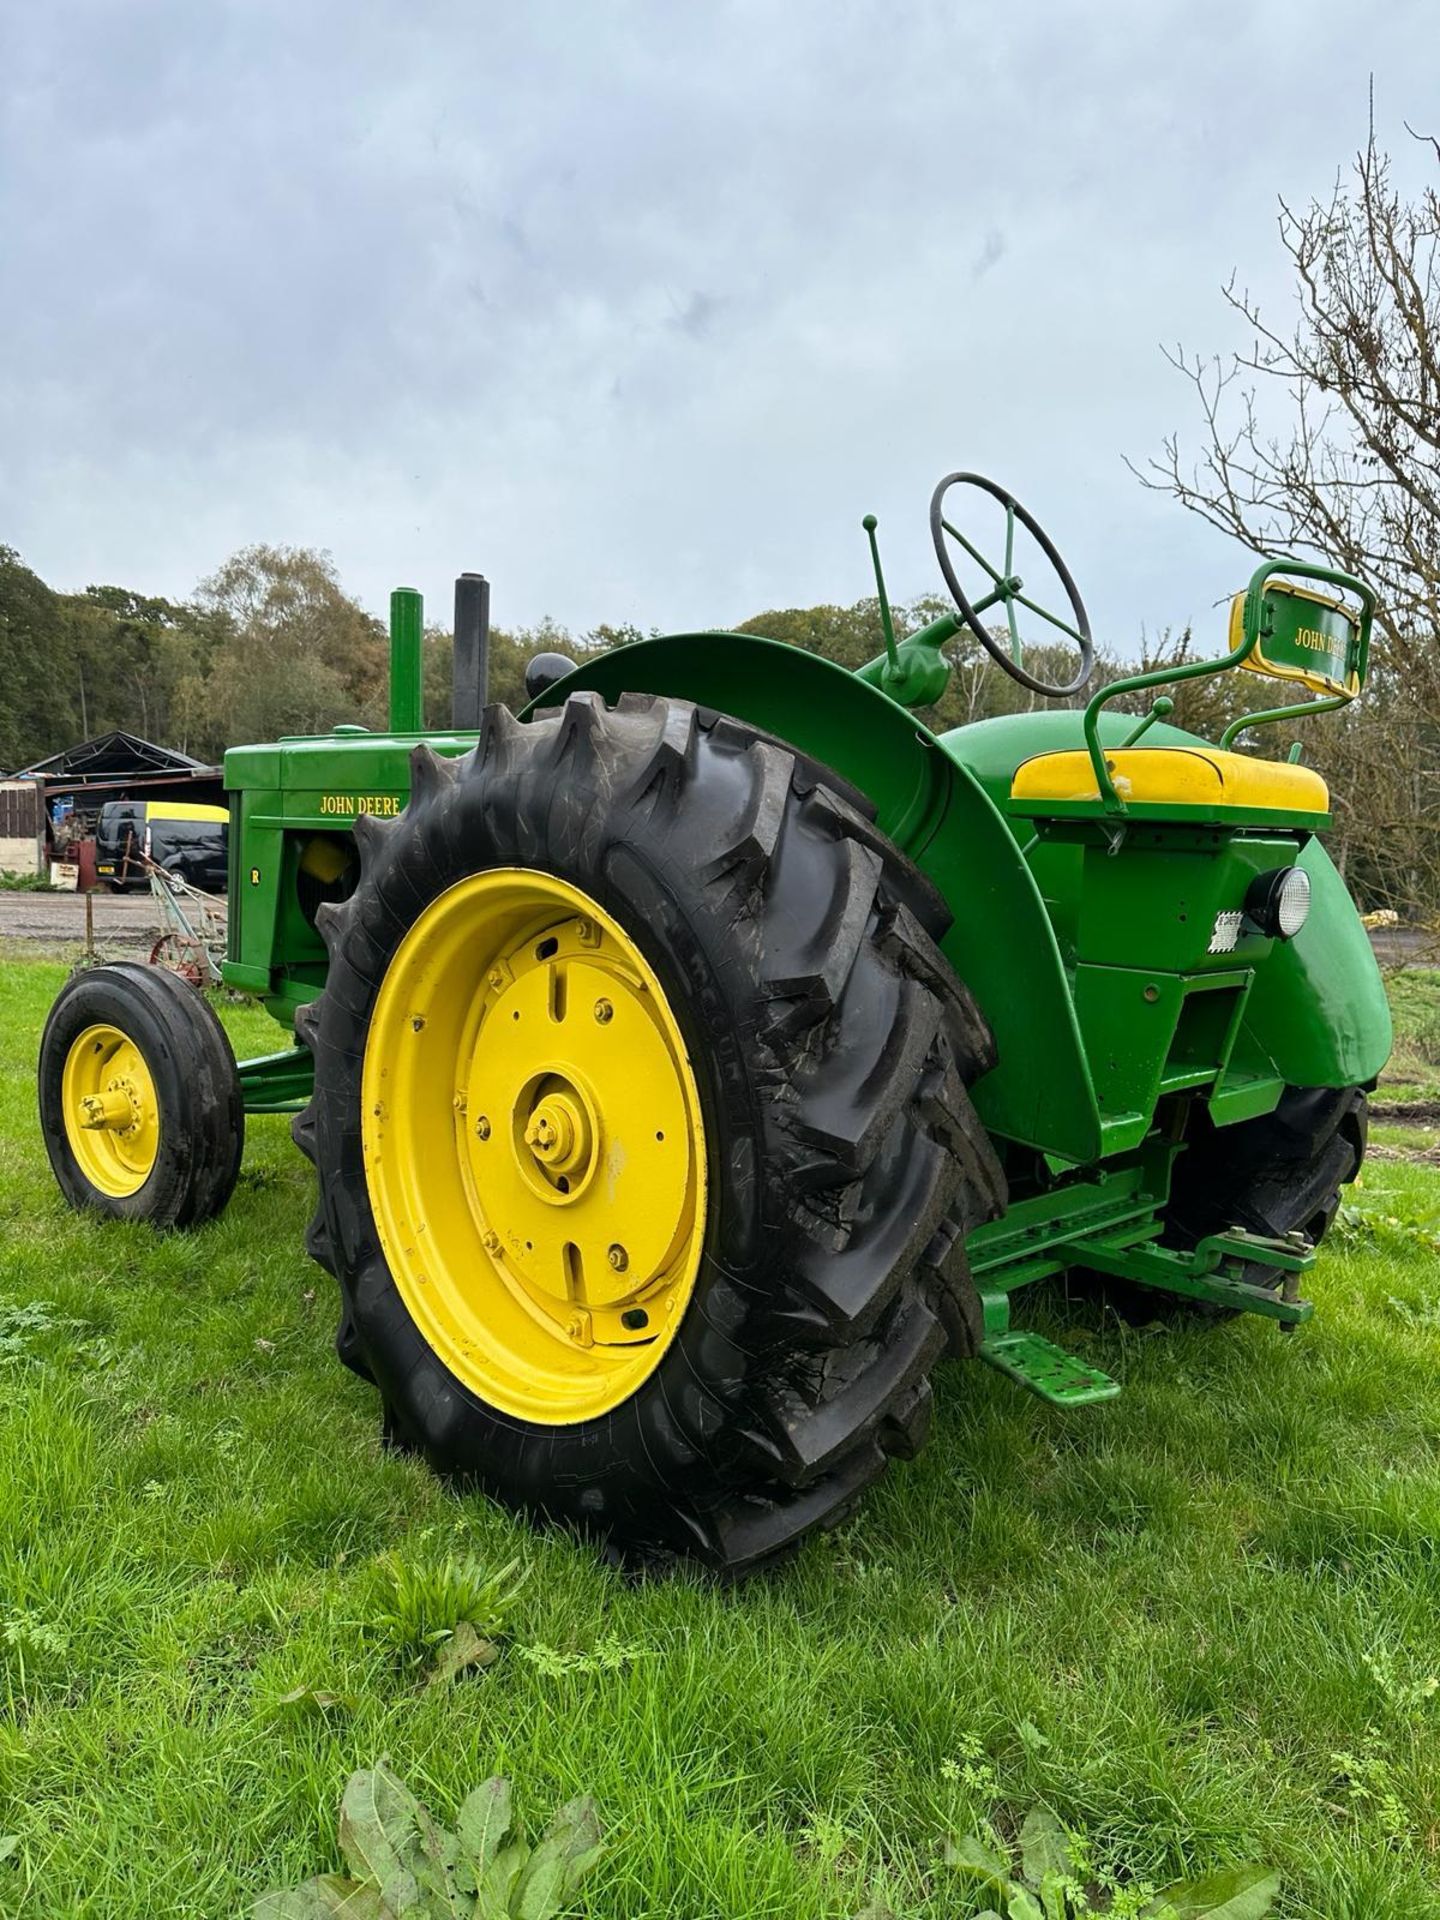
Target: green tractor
<point x="689" y="1062"/>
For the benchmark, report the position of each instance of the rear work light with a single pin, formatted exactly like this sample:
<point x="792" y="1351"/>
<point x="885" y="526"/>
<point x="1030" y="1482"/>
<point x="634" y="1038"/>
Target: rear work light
<point x="1278" y="902"/>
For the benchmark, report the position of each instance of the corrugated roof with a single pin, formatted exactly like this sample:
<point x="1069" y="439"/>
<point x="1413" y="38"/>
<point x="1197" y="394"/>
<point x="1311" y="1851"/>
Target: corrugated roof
<point x="117" y="755"/>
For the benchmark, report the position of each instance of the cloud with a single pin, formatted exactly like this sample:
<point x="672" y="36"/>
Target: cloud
<point x="423" y="284"/>
<point x="992" y="252"/>
<point x="696" y="315"/>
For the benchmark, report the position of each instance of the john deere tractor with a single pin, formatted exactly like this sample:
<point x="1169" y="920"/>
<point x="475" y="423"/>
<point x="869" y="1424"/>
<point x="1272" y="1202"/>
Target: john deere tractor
<point x="688" y="1061"/>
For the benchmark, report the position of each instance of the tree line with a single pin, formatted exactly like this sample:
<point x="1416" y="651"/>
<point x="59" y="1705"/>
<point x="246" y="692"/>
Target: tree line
<point x="269" y="644"/>
<point x="272" y="644"/>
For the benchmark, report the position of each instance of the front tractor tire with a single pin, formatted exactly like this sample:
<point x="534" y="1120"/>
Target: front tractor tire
<point x="140" y="1102"/>
<point x="644" y="1150"/>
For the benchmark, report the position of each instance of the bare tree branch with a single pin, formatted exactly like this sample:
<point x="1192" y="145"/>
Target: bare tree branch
<point x="1352" y="478"/>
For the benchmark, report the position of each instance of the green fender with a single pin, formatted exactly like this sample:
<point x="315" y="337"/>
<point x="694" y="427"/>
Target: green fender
<point x="1319" y="1003"/>
<point x="1001" y="942"/>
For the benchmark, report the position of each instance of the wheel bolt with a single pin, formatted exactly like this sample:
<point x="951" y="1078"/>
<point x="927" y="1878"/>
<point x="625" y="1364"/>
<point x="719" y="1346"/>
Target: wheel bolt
<point x="604" y="1012"/>
<point x="491" y="1243"/>
<point x="618" y="1258"/>
<point x="482" y="1128"/>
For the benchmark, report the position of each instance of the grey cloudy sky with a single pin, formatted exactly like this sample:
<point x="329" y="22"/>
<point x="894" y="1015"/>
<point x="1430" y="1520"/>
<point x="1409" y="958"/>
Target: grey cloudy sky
<point x="639" y="307"/>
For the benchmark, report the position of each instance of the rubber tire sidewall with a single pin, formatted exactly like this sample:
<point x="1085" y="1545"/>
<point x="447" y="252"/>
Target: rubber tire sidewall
<point x="197" y="1091"/>
<point x="464" y="1434"/>
<point x="657" y="1468"/>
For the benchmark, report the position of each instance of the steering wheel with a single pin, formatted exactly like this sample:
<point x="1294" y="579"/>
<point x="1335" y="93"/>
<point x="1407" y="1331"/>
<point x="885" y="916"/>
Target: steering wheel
<point x="1007" y="586"/>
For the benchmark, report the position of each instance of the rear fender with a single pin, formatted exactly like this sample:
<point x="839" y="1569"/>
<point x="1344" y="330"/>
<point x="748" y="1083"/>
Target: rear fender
<point x="1001" y="942"/>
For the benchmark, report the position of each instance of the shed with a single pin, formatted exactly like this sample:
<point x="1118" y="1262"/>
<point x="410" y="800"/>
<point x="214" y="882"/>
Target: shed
<point x="76" y="783"/>
<point x="22" y="834"/>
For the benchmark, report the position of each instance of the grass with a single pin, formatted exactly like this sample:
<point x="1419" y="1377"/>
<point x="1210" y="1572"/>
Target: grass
<point x="1201" y="1622"/>
<point x="1414" y="1069"/>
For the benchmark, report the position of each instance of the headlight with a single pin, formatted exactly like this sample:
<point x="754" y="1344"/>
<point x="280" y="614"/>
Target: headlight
<point x="1278" y="902"/>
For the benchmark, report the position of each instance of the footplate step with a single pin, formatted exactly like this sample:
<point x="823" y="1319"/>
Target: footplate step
<point x="1057" y="1376"/>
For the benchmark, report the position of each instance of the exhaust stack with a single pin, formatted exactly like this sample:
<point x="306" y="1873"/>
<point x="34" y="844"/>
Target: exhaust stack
<point x="472" y="651"/>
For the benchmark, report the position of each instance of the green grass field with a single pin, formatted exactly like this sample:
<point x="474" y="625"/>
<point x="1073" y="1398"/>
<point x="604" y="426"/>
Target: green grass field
<point x="1202" y="1622"/>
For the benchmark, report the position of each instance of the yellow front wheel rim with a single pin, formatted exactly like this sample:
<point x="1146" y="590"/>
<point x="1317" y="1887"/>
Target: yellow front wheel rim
<point x="534" y="1148"/>
<point x="111" y="1111"/>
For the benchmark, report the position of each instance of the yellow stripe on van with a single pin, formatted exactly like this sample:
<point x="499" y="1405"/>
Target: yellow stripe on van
<point x="154" y="810"/>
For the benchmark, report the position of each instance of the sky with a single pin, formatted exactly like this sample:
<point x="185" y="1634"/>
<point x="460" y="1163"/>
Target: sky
<point x="639" y="307"/>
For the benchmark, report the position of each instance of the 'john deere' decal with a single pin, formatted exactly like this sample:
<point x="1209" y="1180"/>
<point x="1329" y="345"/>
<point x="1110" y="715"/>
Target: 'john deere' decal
<point x="384" y="805"/>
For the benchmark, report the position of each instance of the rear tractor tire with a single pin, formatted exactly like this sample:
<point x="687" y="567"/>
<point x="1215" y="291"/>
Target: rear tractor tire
<point x="140" y="1102"/>
<point x="1280" y="1173"/>
<point x="644" y="1151"/>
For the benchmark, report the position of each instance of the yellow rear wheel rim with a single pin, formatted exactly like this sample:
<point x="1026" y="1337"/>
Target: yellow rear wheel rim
<point x="534" y="1148"/>
<point x="111" y="1111"/>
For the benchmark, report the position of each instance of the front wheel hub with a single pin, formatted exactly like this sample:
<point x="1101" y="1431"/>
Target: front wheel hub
<point x="548" y="1250"/>
<point x="111" y="1110"/>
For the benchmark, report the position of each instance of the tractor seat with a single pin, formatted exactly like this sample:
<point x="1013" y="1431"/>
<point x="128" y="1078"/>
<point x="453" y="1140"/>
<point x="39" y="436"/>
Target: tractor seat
<point x="1161" y="777"/>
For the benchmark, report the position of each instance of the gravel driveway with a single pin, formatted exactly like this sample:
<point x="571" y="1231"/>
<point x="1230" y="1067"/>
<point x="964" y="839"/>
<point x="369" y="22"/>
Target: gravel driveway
<point x="53" y="924"/>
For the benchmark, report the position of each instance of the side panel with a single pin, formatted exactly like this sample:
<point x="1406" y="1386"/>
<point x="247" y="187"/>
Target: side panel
<point x="1001" y="943"/>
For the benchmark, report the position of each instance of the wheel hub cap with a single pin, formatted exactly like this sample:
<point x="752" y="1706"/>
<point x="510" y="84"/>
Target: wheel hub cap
<point x="112" y="1115"/>
<point x="559" y="1136"/>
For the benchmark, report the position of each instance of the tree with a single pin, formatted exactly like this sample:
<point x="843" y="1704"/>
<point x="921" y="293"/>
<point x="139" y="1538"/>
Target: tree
<point x="293" y="653"/>
<point x="1353" y="479"/>
<point x="37" y="707"/>
<point x="137" y="662"/>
